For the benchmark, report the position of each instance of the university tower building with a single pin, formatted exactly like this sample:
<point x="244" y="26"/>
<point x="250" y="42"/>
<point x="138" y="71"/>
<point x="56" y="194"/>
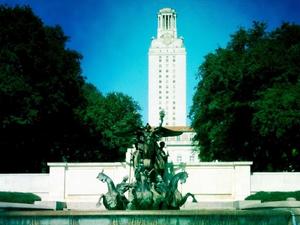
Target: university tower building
<point x="167" y="87"/>
<point x="167" y="73"/>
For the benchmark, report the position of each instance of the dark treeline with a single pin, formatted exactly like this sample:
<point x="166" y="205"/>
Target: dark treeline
<point x="47" y="111"/>
<point x="246" y="106"/>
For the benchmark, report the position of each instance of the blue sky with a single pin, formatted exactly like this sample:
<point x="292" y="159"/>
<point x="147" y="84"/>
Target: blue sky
<point x="114" y="35"/>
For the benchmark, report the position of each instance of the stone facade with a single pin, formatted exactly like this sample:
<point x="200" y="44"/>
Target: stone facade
<point x="182" y="149"/>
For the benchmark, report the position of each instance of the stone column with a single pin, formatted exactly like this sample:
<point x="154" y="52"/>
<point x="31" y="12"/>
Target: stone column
<point x="57" y="182"/>
<point x="158" y="22"/>
<point x="242" y="177"/>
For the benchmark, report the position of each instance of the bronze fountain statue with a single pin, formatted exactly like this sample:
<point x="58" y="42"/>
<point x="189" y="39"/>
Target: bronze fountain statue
<point x="154" y="187"/>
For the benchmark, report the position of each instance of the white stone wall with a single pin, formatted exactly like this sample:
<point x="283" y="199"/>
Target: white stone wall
<point x="208" y="181"/>
<point x="34" y="183"/>
<point x="78" y="182"/>
<point x="215" y="181"/>
<point x="219" y="181"/>
<point x="281" y="181"/>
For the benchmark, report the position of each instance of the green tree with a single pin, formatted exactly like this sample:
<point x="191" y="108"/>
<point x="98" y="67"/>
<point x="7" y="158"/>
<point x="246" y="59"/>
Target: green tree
<point x="40" y="86"/>
<point x="48" y="113"/>
<point x="114" y="118"/>
<point x="246" y="106"/>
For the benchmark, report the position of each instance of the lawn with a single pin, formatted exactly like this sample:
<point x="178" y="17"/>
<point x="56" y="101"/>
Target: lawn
<point x="18" y="197"/>
<point x="274" y="196"/>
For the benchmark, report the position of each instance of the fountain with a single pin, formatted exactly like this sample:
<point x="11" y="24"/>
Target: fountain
<point x="155" y="185"/>
<point x="152" y="198"/>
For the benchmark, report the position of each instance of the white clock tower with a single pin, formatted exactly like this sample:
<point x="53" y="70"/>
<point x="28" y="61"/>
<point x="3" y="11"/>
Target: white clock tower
<point x="167" y="73"/>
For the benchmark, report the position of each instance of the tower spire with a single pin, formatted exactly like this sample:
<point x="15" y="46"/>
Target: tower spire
<point x="166" y="18"/>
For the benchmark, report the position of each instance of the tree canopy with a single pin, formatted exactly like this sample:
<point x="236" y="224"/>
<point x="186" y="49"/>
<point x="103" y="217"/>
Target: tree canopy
<point x="47" y="111"/>
<point x="113" y="117"/>
<point x="246" y="105"/>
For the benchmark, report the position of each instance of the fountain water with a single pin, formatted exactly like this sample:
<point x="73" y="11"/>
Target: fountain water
<point x="146" y="217"/>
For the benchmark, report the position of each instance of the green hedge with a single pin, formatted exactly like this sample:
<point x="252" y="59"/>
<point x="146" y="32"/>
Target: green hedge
<point x="274" y="196"/>
<point x="19" y="197"/>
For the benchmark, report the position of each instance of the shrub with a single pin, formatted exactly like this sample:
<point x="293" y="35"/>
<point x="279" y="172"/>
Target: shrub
<point x="19" y="197"/>
<point x="274" y="196"/>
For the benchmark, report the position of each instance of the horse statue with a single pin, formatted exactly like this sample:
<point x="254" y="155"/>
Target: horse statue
<point x="143" y="197"/>
<point x="174" y="199"/>
<point x="159" y="190"/>
<point x="114" y="199"/>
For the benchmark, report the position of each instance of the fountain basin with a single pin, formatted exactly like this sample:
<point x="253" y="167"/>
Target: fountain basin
<point x="143" y="217"/>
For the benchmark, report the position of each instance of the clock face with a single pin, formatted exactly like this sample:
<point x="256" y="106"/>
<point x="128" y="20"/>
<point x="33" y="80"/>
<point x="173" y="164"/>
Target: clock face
<point x="167" y="38"/>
